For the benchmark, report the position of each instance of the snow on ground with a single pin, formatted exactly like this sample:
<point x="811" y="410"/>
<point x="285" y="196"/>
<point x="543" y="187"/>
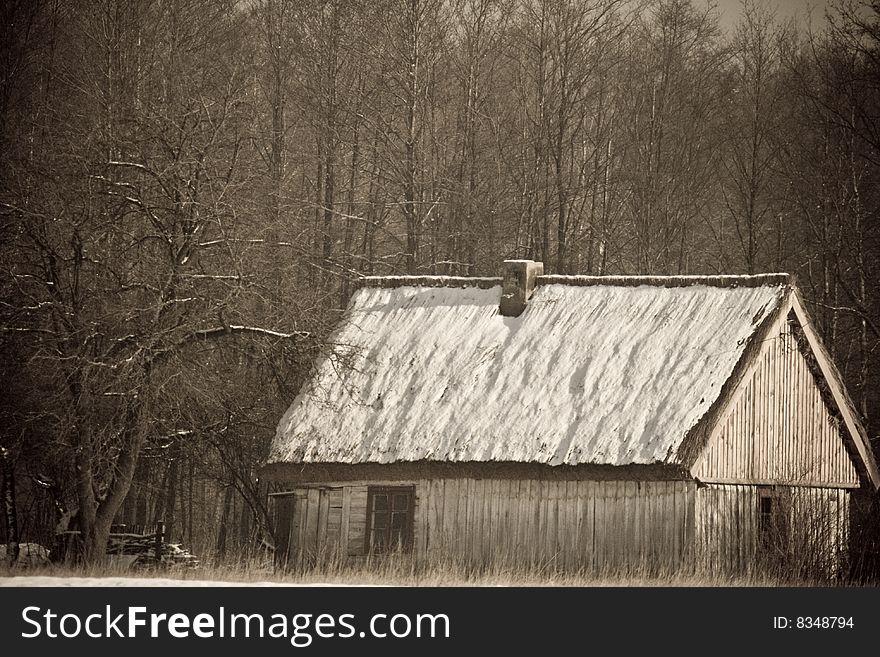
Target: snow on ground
<point x="29" y="554"/>
<point x="42" y="580"/>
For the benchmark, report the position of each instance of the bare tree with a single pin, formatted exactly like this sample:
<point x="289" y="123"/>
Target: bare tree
<point x="751" y="146"/>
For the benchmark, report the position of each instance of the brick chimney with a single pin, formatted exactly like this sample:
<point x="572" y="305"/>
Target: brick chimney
<point x="518" y="284"/>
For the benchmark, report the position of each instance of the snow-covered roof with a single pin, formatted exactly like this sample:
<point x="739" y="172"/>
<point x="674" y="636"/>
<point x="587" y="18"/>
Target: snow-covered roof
<point x="590" y="372"/>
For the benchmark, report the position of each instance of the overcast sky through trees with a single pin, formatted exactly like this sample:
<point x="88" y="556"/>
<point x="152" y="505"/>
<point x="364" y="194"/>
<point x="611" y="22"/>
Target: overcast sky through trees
<point x="731" y="10"/>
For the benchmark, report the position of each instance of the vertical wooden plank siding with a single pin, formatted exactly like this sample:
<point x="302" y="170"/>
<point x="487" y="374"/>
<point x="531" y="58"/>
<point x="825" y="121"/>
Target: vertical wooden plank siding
<point x="310" y="535"/>
<point x="819" y="522"/>
<point x="777" y="428"/>
<point x="420" y="525"/>
<point x="727" y="528"/>
<point x="600" y="535"/>
<point x="345" y="522"/>
<point x="283" y="519"/>
<point x="545" y="524"/>
<point x="322" y="538"/>
<point x="357" y="524"/>
<point x="334" y="523"/>
<point x="573" y="525"/>
<point x="300" y="509"/>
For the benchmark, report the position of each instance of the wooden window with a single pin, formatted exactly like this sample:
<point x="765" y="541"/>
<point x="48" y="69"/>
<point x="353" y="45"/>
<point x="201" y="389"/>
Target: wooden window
<point x="390" y="519"/>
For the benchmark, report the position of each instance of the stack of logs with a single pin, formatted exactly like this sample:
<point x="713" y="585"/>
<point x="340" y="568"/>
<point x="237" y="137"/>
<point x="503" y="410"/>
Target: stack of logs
<point x="151" y="550"/>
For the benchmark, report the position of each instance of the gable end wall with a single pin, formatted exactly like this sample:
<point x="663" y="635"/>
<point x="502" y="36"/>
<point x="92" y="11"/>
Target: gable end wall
<point x="778" y="428"/>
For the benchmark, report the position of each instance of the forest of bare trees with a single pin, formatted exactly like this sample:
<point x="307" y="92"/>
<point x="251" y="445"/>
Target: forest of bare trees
<point x="190" y="189"/>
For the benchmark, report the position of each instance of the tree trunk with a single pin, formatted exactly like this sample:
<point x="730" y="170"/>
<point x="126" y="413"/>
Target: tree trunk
<point x="7" y="487"/>
<point x="244" y="532"/>
<point x="94" y="541"/>
<point x="96" y="517"/>
<point x="171" y="499"/>
<point x="224" y="523"/>
<point x="189" y="504"/>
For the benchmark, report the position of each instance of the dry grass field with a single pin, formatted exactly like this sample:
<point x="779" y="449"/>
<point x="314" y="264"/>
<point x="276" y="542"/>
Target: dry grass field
<point x="388" y="574"/>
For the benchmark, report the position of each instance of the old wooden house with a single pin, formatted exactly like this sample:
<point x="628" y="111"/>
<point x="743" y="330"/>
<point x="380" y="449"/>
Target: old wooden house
<point x="571" y="422"/>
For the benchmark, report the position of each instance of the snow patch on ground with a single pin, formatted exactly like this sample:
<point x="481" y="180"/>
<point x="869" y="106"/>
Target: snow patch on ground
<point x="141" y="582"/>
<point x="29" y="555"/>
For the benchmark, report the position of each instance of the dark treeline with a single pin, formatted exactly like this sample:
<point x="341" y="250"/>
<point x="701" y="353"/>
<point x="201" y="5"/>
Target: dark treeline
<point x="190" y="189"/>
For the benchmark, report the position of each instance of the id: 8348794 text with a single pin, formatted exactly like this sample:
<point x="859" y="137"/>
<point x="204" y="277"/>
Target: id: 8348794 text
<point x="813" y="622"/>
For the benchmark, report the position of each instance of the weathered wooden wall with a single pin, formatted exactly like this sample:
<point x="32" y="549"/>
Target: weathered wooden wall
<point x="820" y="529"/>
<point x="321" y="523"/>
<point x="777" y="428"/>
<point x="727" y="528"/>
<point x="571" y="525"/>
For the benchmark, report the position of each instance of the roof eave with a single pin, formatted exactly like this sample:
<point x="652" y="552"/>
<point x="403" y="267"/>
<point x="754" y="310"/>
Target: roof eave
<point x="335" y="471"/>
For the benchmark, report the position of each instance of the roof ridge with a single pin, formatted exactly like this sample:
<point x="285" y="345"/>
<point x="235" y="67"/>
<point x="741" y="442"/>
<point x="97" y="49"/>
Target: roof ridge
<point x="582" y="280"/>
<point x="483" y="282"/>
<point x="718" y="280"/>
